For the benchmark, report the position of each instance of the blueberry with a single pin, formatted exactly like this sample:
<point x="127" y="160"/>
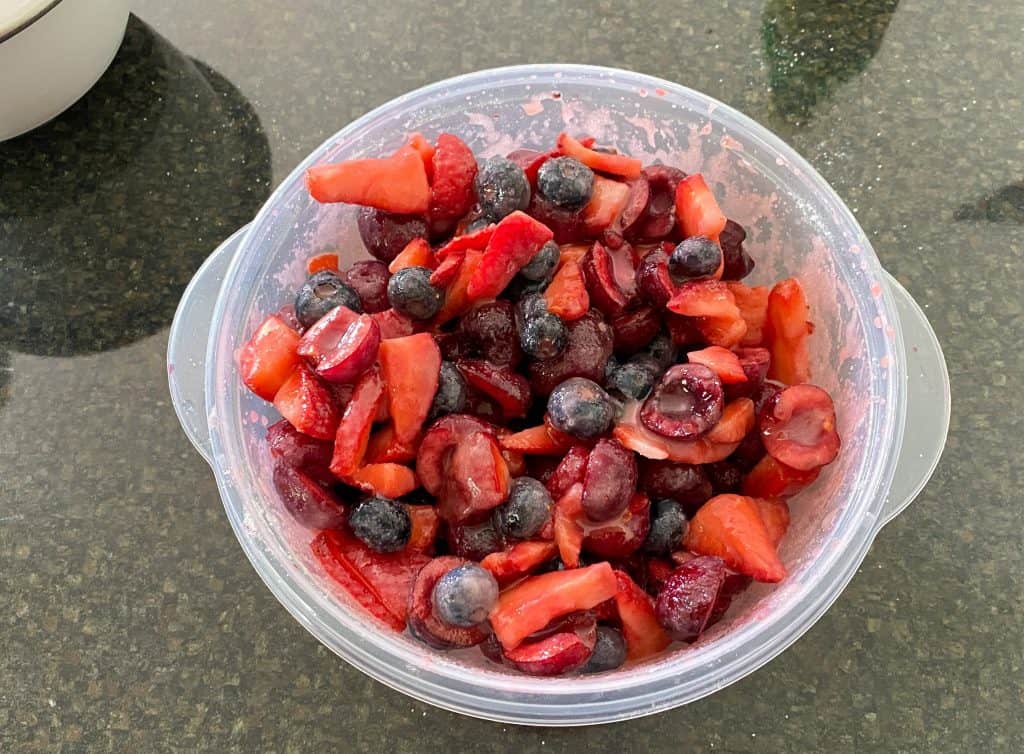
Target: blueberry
<point x="322" y="292"/>
<point x="696" y="257"/>
<point x="520" y="288"/>
<point x="450" y="397"/>
<point x="610" y="367"/>
<point x="668" y="524"/>
<point x="527" y="510"/>
<point x="543" y="264"/>
<point x="381" y="523"/>
<point x="530" y="306"/>
<point x="501" y="187"/>
<point x="581" y="408"/>
<point x="662" y="350"/>
<point x="609" y="651"/>
<point x="410" y="292"/>
<point x="565" y="182"/>
<point x="543" y="335"/>
<point x="465" y="595"/>
<point x="479" y="223"/>
<point x="634" y="379"/>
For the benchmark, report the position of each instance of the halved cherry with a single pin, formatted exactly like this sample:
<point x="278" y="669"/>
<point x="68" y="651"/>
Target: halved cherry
<point x="567" y="647"/>
<point x="687" y="600"/>
<point x="478" y="479"/>
<point x="306" y="402"/>
<point x="395" y="184"/>
<point x="326" y="332"/>
<point x="634" y="435"/>
<point x="417" y="253"/>
<point x="352" y="354"/>
<point x="685" y="403"/>
<point x="353" y="431"/>
<point x="731" y="527"/>
<point x="516" y="239"/>
<point x="772" y="478"/>
<point x="615" y="164"/>
<point x="659" y="215"/>
<point x="683" y="330"/>
<point x="798" y="427"/>
<point x="786" y="332"/>
<point x="410" y="367"/>
<point x="654" y="284"/>
<point x="640" y="628"/>
<point x="633" y="208"/>
<point x="509" y="388"/>
<point x="435" y="449"/>
<point x="634" y="330"/>
<point x="520" y="560"/>
<point x="570" y="471"/>
<point x="310" y="503"/>
<point x="608" y="480"/>
<point x="737" y="264"/>
<point x="390" y="480"/>
<point x="601" y="284"/>
<point x="567" y="295"/>
<point x="755" y="363"/>
<point x="533" y="603"/>
<point x="697" y="209"/>
<point x="568" y="532"/>
<point x="424" y="624"/>
<point x="721" y="361"/>
<point x="623" y="535"/>
<point x="269" y="358"/>
<point x="300" y="451"/>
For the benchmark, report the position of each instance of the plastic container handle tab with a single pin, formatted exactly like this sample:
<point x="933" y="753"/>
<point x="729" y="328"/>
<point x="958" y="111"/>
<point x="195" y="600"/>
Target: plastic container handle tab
<point x="186" y="346"/>
<point x="928" y="404"/>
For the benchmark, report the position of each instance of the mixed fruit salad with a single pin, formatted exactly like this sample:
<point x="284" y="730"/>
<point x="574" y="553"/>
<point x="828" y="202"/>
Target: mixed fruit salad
<point x="547" y="418"/>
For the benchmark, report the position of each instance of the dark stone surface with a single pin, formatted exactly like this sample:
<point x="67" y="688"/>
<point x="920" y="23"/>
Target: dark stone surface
<point x="129" y="618"/>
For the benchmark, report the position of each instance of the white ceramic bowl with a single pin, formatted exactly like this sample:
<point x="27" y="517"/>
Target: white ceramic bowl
<point x="51" y="53"/>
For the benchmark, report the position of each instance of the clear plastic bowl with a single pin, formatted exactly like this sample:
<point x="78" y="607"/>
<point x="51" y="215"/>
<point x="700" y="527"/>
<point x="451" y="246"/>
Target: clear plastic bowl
<point x="870" y="338"/>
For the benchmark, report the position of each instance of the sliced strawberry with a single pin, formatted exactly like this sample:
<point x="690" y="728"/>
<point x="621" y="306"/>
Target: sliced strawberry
<point x="380" y="582"/>
<point x="322" y="262"/>
<point x="542" y="440"/>
<point x="354" y="429"/>
<point x="721" y="361"/>
<point x="307" y="403"/>
<point x="454" y="168"/>
<point x="507" y="387"/>
<point x="475" y="241"/>
<point x="384" y="447"/>
<point x="640" y="628"/>
<point x="697" y="209"/>
<point x="517" y="238"/>
<point x="393" y="324"/>
<point x="607" y="201"/>
<point x="798" y="427"/>
<point x="426" y="626"/>
<point x="434" y="453"/>
<point x="614" y="164"/>
<point x="737" y="422"/>
<point x="772" y="478"/>
<point x="753" y="305"/>
<point x="385" y="479"/>
<point x="425" y="525"/>
<point x="623" y="535"/>
<point x="559" y="649"/>
<point x="522" y="559"/>
<point x="567" y="295"/>
<point x="447" y="270"/>
<point x="417" y="253"/>
<point x="572" y="252"/>
<point x="477" y="482"/>
<point x="731" y="527"/>
<point x="727" y="332"/>
<point x="456" y="300"/>
<point x="410" y="367"/>
<point x="775" y="514"/>
<point x="786" y="331"/>
<point x="569" y="472"/>
<point x="269" y="358"/>
<point x="602" y="287"/>
<point x="704" y="298"/>
<point x="533" y="603"/>
<point x="568" y="531"/>
<point x="395" y="184"/>
<point x="425" y="150"/>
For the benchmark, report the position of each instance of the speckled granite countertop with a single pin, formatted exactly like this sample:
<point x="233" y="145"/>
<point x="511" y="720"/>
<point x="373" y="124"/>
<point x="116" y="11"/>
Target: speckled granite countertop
<point x="129" y="618"/>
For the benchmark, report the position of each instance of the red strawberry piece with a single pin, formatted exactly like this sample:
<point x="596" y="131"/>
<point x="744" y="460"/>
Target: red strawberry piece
<point x="542" y="440"/>
<point x="732" y="587"/>
<point x="721" y="361"/>
<point x="516" y="239"/>
<point x="424" y="624"/>
<point x="522" y="559"/>
<point x="683" y="482"/>
<point x="567" y="649"/>
<point x="384" y="447"/>
<point x="324" y="335"/>
<point x="588" y="346"/>
<point x="786" y="331"/>
<point x="508" y="388"/>
<point x="570" y="471"/>
<point x="536" y="601"/>
<point x="385" y="479"/>
<point x="653" y="282"/>
<point x="352" y="354"/>
<point x="697" y="209"/>
<point x="754" y="362"/>
<point x="353" y="433"/>
<point x="775" y="514"/>
<point x="447" y="270"/>
<point x="687" y="600"/>
<point x="659" y="215"/>
<point x="567" y="295"/>
<point x="451" y="191"/>
<point x="567" y="529"/>
<point x="632" y="209"/>
<point x="727" y="332"/>
<point x="396" y="184"/>
<point x="798" y="427"/>
<point x="623" y="535"/>
<point x="633" y="330"/>
<point x="269" y="358"/>
<point x="410" y="368"/>
<point x="658" y="571"/>
<point x="609" y="480"/>
<point x="307" y="403"/>
<point x="302" y="452"/>
<point x="607" y="201"/>
<point x="753" y="306"/>
<point x="380" y="582"/>
<point x="310" y="503"/>
<point x="772" y="478"/>
<point x="477" y="481"/>
<point x="434" y="453"/>
<point x="704" y="298"/>
<point x="320" y="262"/>
<point x="572" y="252"/>
<point x="731" y="528"/>
<point x="417" y="253"/>
<point x="738" y="420"/>
<point x="425" y="524"/>
<point x="369" y="278"/>
<point x="614" y="164"/>
<point x="393" y="324"/>
<point x="604" y="291"/>
<point x="475" y="241"/>
<point x="456" y="300"/>
<point x="736" y="263"/>
<point x="425" y="150"/>
<point x="640" y="628"/>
